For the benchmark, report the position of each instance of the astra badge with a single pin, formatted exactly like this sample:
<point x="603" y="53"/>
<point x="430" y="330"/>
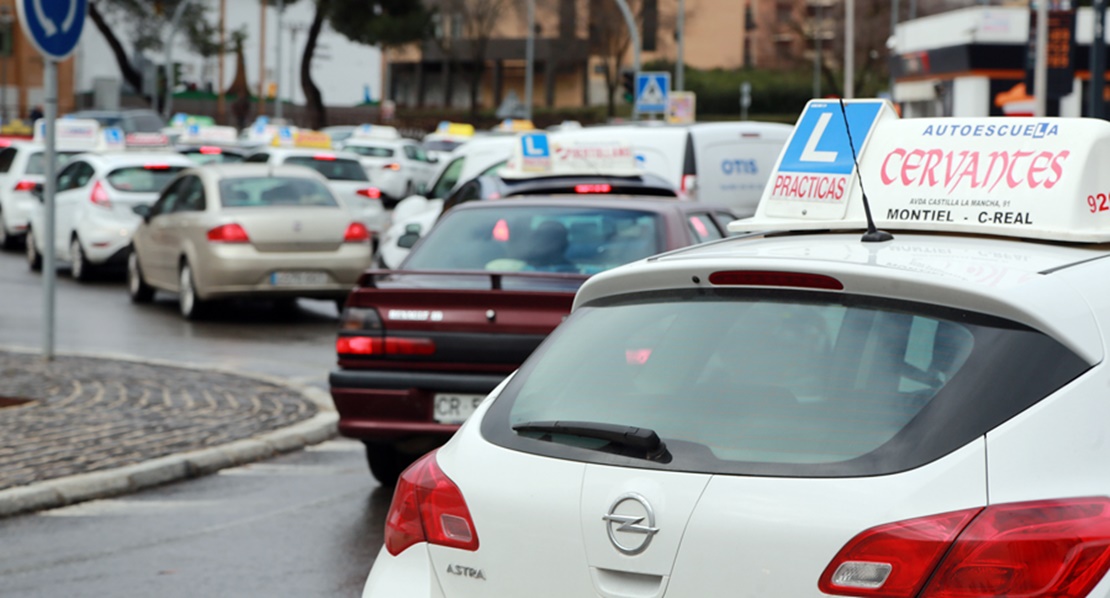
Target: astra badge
<point x="630" y="523"/>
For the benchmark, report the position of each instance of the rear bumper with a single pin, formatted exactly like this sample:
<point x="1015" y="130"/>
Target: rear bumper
<point x="242" y="271"/>
<point x="393" y="405"/>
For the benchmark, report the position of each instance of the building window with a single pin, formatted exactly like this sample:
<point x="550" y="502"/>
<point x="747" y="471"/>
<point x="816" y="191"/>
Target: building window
<point x="784" y="12"/>
<point x="784" y="49"/>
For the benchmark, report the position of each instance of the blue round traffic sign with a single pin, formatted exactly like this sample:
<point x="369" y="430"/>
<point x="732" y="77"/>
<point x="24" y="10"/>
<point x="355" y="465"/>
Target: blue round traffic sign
<point x="53" y="26"/>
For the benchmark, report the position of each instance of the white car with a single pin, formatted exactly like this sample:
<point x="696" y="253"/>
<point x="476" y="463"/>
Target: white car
<point x="396" y="167"/>
<point x="94" y="198"/>
<point x="22" y="166"/>
<point x="802" y="412"/>
<point x="346" y="179"/>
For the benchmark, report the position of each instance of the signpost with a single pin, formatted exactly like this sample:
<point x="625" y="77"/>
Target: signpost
<point x="53" y="28"/>
<point x="652" y="91"/>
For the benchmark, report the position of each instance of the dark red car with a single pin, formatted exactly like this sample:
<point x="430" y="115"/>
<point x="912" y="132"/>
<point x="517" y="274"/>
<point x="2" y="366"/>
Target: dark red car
<point x="420" y="347"/>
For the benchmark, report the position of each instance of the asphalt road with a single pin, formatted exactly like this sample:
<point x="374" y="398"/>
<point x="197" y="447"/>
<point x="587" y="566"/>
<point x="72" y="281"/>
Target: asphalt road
<point x="304" y="524"/>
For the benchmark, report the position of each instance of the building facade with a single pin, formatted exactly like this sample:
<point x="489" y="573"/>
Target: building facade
<point x="21" y="71"/>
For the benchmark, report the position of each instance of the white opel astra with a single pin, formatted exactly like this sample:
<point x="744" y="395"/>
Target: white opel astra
<point x="809" y="411"/>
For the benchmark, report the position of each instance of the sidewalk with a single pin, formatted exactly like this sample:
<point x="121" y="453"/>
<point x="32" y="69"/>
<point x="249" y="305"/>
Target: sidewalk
<point x="79" y="428"/>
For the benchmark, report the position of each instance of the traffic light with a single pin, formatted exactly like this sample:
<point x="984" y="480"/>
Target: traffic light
<point x="628" y="82"/>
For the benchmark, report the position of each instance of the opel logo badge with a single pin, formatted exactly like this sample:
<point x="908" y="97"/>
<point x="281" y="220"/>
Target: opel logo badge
<point x="630" y="523"/>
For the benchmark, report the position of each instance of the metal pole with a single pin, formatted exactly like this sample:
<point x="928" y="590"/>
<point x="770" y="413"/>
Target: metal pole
<point x="221" y="105"/>
<point x="262" y="63"/>
<point x="634" y="34"/>
<point x="680" y="65"/>
<point x="277" y="94"/>
<point x="171" y="75"/>
<point x="530" y="58"/>
<point x="1098" y="62"/>
<point x="817" y="53"/>
<point x="294" y="29"/>
<point x="1040" y="66"/>
<point x="893" y="27"/>
<point x="849" y="49"/>
<point x="49" y="266"/>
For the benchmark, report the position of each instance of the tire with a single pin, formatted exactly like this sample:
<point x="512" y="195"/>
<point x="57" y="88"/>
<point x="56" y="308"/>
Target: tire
<point x="191" y="306"/>
<point x="81" y="269"/>
<point x="137" y="288"/>
<point x="340" y="305"/>
<point x="386" y="462"/>
<point x="34" y="258"/>
<point x="6" y="241"/>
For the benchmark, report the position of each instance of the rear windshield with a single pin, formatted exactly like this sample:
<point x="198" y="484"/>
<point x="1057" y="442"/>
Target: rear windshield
<point x="247" y="192"/>
<point x="333" y="169"/>
<point x="441" y="145"/>
<point x="777" y="383"/>
<point x="143" y="179"/>
<point x="36" y="162"/>
<point x="372" y="152"/>
<point x="579" y="240"/>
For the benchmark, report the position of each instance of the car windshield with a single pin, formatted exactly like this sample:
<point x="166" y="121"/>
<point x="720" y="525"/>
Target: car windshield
<point x="582" y="240"/>
<point x="36" y="162"/>
<point x="333" y="169"/>
<point x="370" y="151"/>
<point x="788" y="383"/>
<point x="249" y="192"/>
<point x="149" y="178"/>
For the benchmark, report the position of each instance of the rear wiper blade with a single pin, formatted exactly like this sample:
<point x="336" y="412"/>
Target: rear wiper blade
<point x="640" y="442"/>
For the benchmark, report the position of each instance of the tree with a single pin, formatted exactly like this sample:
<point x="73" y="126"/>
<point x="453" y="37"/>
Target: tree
<point x="144" y="24"/>
<point x="478" y="19"/>
<point x="609" y="39"/>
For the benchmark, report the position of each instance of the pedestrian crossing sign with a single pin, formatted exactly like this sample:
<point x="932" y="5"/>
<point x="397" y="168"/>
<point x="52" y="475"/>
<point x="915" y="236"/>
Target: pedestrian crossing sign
<point x="652" y="91"/>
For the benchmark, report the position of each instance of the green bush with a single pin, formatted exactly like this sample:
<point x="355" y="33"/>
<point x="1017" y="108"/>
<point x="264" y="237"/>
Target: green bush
<point x="776" y="95"/>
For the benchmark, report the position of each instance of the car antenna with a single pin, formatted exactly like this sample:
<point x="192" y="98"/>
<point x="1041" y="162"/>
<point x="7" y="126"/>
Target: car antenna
<point x="873" y="235"/>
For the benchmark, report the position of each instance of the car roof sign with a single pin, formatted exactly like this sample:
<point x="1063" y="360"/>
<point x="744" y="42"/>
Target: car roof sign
<point x="542" y="154"/>
<point x="368" y="131"/>
<point x="72" y="134"/>
<point x="1039" y="178"/>
<point x="290" y="137"/>
<point x="208" y="135"/>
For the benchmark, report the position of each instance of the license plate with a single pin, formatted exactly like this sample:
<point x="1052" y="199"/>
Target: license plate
<point x="454" y="408"/>
<point x="298" y="278"/>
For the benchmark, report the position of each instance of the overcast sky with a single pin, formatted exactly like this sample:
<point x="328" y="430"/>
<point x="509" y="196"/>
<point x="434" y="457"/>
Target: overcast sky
<point x="342" y="69"/>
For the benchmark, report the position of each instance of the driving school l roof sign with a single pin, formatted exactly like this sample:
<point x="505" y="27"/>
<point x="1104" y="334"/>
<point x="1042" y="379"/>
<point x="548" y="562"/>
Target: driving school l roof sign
<point x="815" y="171"/>
<point x="53" y="26"/>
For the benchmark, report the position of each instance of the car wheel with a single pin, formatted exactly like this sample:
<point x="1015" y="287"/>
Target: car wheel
<point x="34" y="258"/>
<point x="81" y="269"/>
<point x="6" y="240"/>
<point x="192" y="307"/>
<point x="386" y="462"/>
<point x="137" y="287"/>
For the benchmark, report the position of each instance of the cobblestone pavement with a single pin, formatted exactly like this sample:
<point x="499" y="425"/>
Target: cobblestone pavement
<point x="88" y="414"/>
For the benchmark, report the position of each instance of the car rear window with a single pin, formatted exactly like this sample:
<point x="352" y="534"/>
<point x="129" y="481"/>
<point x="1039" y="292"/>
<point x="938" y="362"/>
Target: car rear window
<point x="333" y="169"/>
<point x="371" y="152"/>
<point x="150" y="178"/>
<point x="780" y="383"/>
<point x="36" y="162"/>
<point x="248" y="192"/>
<point x="580" y="240"/>
<point x="441" y="145"/>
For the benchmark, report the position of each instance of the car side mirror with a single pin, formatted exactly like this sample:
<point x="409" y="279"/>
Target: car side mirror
<point x="143" y="211"/>
<point x="37" y="191"/>
<point x="433" y="159"/>
<point x="411" y="236"/>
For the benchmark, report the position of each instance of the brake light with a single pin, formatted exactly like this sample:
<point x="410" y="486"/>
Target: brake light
<point x="156" y="166"/>
<point x="689" y="182"/>
<point x="371" y="192"/>
<point x="325" y="157"/>
<point x="24" y="186"/>
<point x="210" y="150"/>
<point x="356" y="233"/>
<point x="501" y="231"/>
<point x="384" y="345"/>
<point x="428" y="507"/>
<point x="775" y="279"/>
<point x="99" y="196"/>
<point x="391" y="166"/>
<point x="228" y="233"/>
<point x="1058" y="548"/>
<point x="594" y="188"/>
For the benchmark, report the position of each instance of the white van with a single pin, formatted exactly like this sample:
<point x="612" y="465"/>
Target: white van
<point x="718" y="162"/>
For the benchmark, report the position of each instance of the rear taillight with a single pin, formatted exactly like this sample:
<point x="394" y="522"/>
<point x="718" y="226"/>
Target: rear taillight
<point x="689" y="182"/>
<point x="228" y="233"/>
<point x="324" y="157"/>
<point x="384" y="345"/>
<point x="25" y="186"/>
<point x="99" y="196"/>
<point x="356" y="233"/>
<point x="210" y="150"/>
<point x="760" y="278"/>
<point x="428" y="507"/>
<point x="391" y="166"/>
<point x="594" y="188"/>
<point x="371" y="192"/>
<point x="1058" y="548"/>
<point x="361" y="319"/>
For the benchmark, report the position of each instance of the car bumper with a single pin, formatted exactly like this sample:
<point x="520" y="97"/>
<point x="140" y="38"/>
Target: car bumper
<point x="392" y="405"/>
<point x="17" y="213"/>
<point x="105" y="240"/>
<point x="242" y="271"/>
<point x="409" y="574"/>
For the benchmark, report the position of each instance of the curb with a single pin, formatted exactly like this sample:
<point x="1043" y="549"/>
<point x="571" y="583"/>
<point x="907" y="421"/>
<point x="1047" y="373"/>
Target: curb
<point x="68" y="490"/>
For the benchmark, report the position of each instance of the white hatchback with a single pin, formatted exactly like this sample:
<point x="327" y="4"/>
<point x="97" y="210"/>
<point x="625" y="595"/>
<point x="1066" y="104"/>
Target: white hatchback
<point x="805" y="413"/>
<point x="22" y="165"/>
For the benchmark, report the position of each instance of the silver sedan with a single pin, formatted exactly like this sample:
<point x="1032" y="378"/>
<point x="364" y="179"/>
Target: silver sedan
<point x="246" y="230"/>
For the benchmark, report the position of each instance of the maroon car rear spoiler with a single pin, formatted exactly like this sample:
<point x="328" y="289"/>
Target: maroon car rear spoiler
<point x="370" y="278"/>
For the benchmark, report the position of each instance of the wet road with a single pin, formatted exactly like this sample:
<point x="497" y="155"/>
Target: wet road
<point x="303" y="524"/>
